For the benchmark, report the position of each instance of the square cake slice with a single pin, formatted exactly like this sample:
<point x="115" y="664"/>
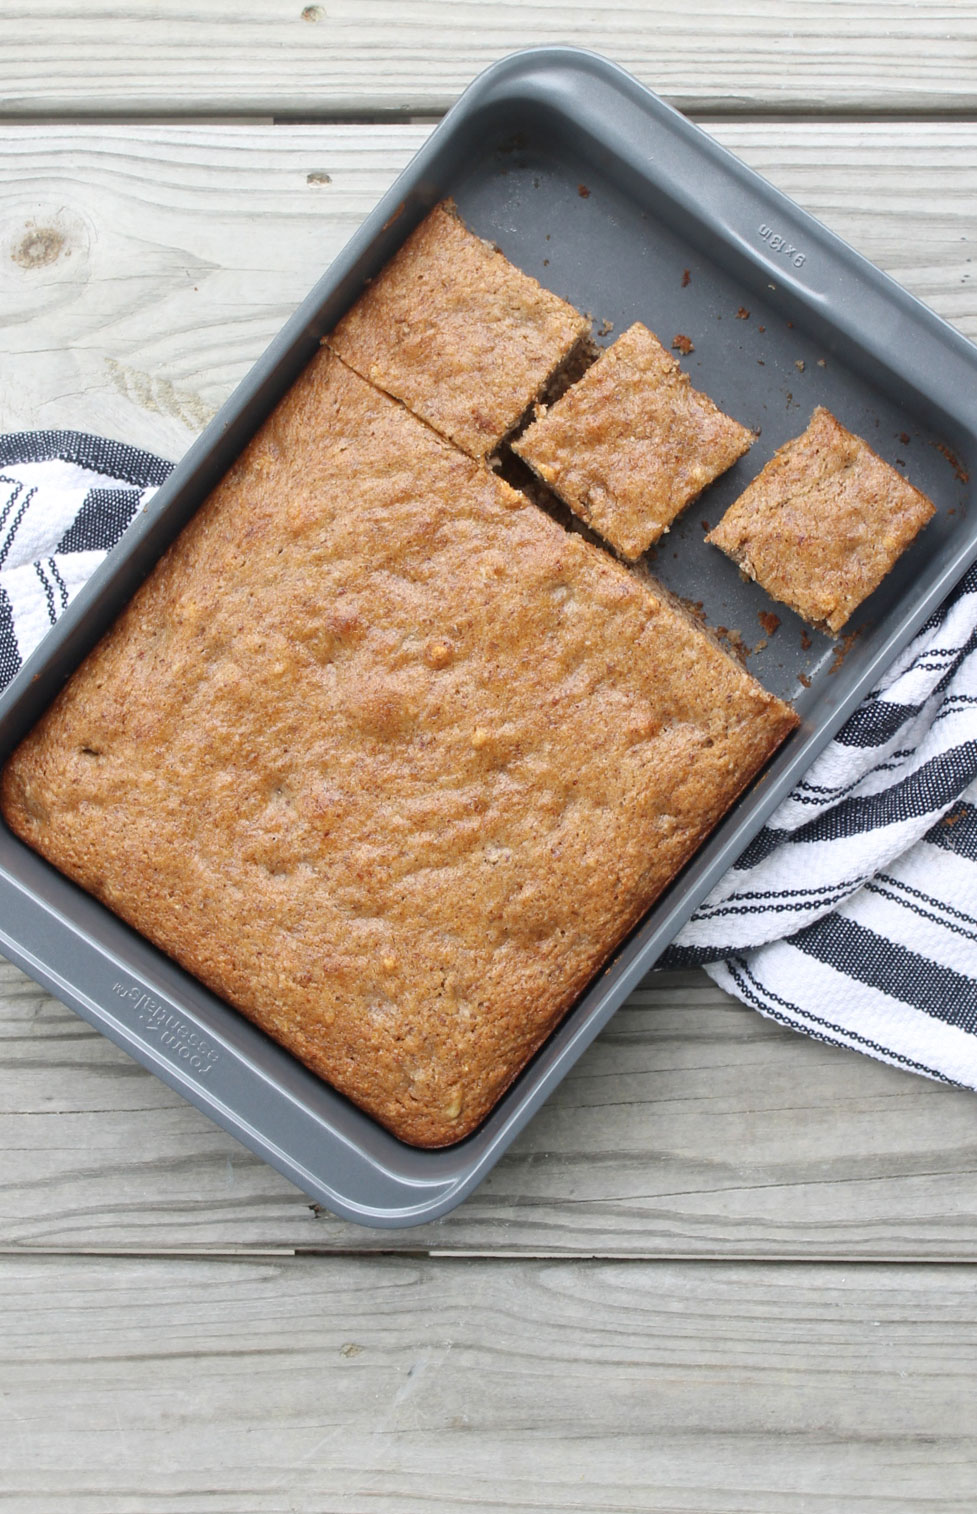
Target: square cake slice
<point x="450" y="327"/>
<point x="823" y="523"/>
<point x="632" y="443"/>
<point x="386" y="758"/>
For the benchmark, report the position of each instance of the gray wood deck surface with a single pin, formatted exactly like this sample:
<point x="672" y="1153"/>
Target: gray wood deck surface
<point x="726" y="1268"/>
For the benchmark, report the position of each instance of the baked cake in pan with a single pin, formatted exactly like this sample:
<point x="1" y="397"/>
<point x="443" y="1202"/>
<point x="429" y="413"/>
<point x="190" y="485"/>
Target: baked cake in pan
<point x="386" y="758"/>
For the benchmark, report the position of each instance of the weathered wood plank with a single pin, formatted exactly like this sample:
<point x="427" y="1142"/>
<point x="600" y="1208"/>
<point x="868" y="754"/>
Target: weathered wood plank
<point x="401" y="1385"/>
<point x="282" y="57"/>
<point x="691" y="1128"/>
<point x="142" y="270"/>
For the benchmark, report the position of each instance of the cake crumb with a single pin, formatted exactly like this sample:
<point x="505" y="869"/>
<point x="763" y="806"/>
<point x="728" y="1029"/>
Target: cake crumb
<point x="683" y="344"/>
<point x="803" y="678"/>
<point x="395" y="216"/>
<point x="605" y="328"/>
<point x="686" y="278"/>
<point x="768" y="620"/>
<point x="822" y="363"/>
<point x="905" y="438"/>
<point x="799" y="364"/>
<point x="742" y="314"/>
<point x="807" y="641"/>
<point x="955" y="463"/>
<point x="734" y="641"/>
<point x="842" y="649"/>
<point x="583" y="191"/>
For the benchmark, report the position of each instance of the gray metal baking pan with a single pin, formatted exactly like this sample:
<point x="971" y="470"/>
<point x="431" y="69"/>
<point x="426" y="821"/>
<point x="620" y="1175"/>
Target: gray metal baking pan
<point x="612" y="199"/>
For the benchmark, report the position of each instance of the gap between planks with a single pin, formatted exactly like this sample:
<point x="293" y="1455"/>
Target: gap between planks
<point x="718" y="115"/>
<point x="595" y="1258"/>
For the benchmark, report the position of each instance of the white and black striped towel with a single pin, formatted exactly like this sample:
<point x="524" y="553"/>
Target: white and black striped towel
<point x="65" y="499"/>
<point x="853" y="914"/>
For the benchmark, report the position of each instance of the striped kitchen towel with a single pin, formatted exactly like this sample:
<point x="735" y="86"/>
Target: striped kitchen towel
<point x="852" y="915"/>
<point x="65" y="499"/>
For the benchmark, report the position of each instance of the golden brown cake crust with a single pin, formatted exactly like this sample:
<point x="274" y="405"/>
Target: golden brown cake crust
<point x="386" y="758"/>
<point x="823" y="523"/>
<point x="450" y="327"/>
<point x="632" y="443"/>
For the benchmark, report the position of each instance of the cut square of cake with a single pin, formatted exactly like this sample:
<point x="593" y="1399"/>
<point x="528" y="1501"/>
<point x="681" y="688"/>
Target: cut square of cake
<point x="632" y="443"/>
<point x="823" y="523"/>
<point x="462" y="337"/>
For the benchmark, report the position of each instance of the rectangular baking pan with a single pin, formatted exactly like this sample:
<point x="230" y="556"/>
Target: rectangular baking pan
<point x="612" y="199"/>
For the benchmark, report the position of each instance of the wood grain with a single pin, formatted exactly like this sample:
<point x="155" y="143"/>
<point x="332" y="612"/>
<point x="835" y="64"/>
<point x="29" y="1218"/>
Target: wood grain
<point x="691" y="1128"/>
<point x="143" y="269"/>
<point x="282" y="57"/>
<point x="402" y="1386"/>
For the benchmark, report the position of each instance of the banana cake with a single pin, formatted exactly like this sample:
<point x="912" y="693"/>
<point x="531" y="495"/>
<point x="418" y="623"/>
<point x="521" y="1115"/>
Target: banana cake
<point x="386" y="758"/>
<point x="632" y="443"/>
<point x="463" y="338"/>
<point x="823" y="523"/>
